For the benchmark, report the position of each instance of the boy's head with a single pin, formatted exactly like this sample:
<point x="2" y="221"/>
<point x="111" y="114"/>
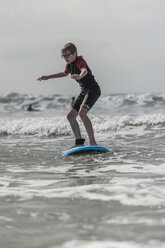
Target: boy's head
<point x="69" y="52"/>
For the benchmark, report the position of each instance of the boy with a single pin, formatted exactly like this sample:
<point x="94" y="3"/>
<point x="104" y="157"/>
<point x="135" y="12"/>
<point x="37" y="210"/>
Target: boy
<point x="90" y="92"/>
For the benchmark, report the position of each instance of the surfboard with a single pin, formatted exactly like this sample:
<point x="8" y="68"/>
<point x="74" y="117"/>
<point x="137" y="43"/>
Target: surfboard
<point x="85" y="150"/>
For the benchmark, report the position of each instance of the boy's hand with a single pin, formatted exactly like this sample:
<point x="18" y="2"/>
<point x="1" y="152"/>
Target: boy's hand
<point x="43" y="78"/>
<point x="75" y="76"/>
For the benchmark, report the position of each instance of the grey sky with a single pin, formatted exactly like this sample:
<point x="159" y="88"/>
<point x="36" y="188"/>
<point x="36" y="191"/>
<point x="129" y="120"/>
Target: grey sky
<point x="122" y="41"/>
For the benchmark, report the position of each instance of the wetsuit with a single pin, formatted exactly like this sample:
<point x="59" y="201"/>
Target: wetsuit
<point x="90" y="90"/>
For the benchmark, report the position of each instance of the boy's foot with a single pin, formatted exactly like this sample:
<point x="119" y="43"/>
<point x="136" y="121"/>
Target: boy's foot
<point x="78" y="142"/>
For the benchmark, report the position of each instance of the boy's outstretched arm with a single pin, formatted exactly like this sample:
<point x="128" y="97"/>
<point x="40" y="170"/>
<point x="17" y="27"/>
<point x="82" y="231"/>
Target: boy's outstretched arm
<point x="57" y="75"/>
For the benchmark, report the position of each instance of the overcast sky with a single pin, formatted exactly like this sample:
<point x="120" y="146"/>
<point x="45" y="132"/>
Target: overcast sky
<point x="123" y="42"/>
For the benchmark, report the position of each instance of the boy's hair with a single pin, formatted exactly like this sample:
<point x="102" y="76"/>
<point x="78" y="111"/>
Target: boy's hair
<point x="69" y="47"/>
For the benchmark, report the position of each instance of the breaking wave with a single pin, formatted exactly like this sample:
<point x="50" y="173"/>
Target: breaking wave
<point x="15" y="101"/>
<point x="47" y="126"/>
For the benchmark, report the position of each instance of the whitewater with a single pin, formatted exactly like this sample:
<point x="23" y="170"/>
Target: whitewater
<point x="110" y="200"/>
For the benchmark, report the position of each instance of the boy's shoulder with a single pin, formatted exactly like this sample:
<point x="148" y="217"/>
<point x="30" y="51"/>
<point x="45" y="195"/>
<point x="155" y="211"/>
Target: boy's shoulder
<point x="80" y="58"/>
<point x="80" y="62"/>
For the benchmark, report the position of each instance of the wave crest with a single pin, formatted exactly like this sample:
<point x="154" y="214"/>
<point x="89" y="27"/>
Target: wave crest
<point x="47" y="126"/>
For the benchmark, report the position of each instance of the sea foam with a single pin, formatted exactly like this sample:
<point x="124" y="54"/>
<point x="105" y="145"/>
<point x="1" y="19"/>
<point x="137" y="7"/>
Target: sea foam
<point x="58" y="125"/>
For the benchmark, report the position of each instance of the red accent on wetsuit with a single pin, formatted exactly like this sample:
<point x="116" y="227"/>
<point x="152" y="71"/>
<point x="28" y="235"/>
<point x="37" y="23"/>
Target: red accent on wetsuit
<point x="80" y="63"/>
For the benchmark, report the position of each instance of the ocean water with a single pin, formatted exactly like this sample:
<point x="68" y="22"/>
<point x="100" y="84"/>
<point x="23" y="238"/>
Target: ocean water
<point x="111" y="200"/>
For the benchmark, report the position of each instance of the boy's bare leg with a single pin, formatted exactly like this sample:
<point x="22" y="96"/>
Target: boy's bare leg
<point x="88" y="126"/>
<point x="71" y="116"/>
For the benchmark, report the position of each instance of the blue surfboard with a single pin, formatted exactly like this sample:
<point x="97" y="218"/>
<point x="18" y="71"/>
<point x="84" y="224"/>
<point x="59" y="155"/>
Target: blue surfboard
<point x="84" y="150"/>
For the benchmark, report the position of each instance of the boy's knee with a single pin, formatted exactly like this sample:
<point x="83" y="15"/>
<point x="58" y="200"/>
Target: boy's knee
<point x="71" y="115"/>
<point x="82" y="113"/>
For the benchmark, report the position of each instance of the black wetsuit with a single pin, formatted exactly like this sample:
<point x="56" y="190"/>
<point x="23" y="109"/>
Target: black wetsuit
<point x="90" y="90"/>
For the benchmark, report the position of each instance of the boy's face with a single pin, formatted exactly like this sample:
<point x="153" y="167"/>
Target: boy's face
<point x="69" y="57"/>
